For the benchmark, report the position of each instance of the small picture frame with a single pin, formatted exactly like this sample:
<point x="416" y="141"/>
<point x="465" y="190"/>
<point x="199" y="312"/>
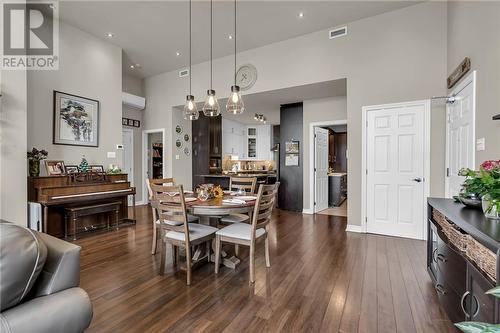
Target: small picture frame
<point x="96" y="168"/>
<point x="187" y="151"/>
<point x="137" y="123"/>
<point x="131" y="122"/>
<point x="55" y="168"/>
<point x="125" y="121"/>
<point x="292" y="147"/>
<point x="71" y="169"/>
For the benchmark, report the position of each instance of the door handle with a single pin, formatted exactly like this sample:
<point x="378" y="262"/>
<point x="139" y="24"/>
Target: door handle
<point x="462" y="303"/>
<point x="418" y="179"/>
<point x="440" y="289"/>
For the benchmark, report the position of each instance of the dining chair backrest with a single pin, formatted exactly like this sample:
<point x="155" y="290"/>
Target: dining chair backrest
<point x="246" y="183"/>
<point x="170" y="204"/>
<point x="158" y="181"/>
<point x="266" y="197"/>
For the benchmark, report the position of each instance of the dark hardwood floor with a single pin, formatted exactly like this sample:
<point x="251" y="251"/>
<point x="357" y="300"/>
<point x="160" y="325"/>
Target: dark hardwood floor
<point x="322" y="279"/>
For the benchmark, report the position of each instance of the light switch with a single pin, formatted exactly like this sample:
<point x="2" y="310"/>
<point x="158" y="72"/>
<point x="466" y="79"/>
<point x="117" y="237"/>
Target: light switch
<point x="480" y="144"/>
<point x="177" y="157"/>
<point x="111" y="154"/>
<point x="119" y="146"/>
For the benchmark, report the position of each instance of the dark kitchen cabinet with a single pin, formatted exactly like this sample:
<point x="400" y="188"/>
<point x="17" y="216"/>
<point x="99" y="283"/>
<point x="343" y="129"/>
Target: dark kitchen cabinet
<point x="207" y="147"/>
<point x="478" y="305"/>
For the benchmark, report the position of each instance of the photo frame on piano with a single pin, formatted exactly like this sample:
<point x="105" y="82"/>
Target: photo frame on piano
<point x="71" y="169"/>
<point x="55" y="168"/>
<point x="96" y="168"/>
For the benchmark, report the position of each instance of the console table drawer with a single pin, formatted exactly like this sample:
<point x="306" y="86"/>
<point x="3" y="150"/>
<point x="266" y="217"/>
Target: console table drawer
<point x="452" y="267"/>
<point x="450" y="301"/>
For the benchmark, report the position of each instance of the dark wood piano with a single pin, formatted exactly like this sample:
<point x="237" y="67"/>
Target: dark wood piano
<point x="56" y="193"/>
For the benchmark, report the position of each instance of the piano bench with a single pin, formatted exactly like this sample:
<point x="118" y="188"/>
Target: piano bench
<point x="73" y="213"/>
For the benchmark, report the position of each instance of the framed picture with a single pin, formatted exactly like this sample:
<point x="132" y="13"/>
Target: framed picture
<point x="131" y="122"/>
<point x="76" y="120"/>
<point x="292" y="160"/>
<point x="124" y="121"/>
<point x="71" y="169"/>
<point x="96" y="168"/>
<point x="55" y="168"/>
<point x="178" y="143"/>
<point x="137" y="123"/>
<point x="292" y="147"/>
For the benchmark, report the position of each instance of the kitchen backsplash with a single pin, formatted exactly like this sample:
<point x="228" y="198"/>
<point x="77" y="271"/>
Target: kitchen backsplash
<point x="227" y="164"/>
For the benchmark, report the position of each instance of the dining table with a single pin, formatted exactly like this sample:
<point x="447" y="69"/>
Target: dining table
<point x="211" y="210"/>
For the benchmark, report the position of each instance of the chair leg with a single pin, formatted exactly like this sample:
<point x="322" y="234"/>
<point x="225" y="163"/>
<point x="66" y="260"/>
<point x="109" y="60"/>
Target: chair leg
<point x="155" y="236"/>
<point x="163" y="257"/>
<point x="174" y="258"/>
<point x="268" y="260"/>
<point x="237" y="250"/>
<point x="188" y="265"/>
<point x="209" y="250"/>
<point x="252" y="263"/>
<point x="217" y="253"/>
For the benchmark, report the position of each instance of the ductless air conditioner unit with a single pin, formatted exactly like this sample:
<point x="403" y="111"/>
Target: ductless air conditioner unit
<point x="134" y="101"/>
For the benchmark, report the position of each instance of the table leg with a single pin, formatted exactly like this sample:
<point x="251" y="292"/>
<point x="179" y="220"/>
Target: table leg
<point x="133" y="207"/>
<point x="117" y="216"/>
<point x="74" y="226"/>
<point x="66" y="222"/>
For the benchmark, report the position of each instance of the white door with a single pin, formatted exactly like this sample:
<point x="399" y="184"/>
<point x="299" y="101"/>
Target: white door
<point x="128" y="156"/>
<point x="460" y="134"/>
<point x="395" y="160"/>
<point x="321" y="168"/>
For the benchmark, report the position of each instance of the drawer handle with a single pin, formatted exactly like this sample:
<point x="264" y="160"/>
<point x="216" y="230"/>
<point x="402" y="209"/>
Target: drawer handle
<point x="434" y="255"/>
<point x="440" y="289"/>
<point x="442" y="257"/>
<point x="462" y="303"/>
<point x="478" y="306"/>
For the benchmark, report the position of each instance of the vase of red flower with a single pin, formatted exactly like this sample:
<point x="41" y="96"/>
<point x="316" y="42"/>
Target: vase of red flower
<point x="484" y="184"/>
<point x="34" y="158"/>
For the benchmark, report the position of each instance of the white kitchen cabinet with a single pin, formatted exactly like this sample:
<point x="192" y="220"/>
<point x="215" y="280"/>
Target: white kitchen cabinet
<point x="232" y="138"/>
<point x="264" y="142"/>
<point x="252" y="142"/>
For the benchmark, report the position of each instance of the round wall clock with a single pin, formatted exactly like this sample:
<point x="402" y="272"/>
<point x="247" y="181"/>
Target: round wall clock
<point x="246" y="76"/>
<point x="178" y="129"/>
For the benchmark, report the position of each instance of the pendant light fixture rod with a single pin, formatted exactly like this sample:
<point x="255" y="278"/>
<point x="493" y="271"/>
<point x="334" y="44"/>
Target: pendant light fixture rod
<point x="211" y="33"/>
<point x="234" y="42"/>
<point x="190" y="60"/>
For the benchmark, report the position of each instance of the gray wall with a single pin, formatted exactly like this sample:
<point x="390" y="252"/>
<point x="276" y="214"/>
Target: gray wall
<point x="474" y="32"/>
<point x="183" y="164"/>
<point x="13" y="164"/>
<point x="88" y="67"/>
<point x="134" y="86"/>
<point x="388" y="58"/>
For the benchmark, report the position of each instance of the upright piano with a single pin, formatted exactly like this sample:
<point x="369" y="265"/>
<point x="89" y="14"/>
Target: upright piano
<point x="55" y="193"/>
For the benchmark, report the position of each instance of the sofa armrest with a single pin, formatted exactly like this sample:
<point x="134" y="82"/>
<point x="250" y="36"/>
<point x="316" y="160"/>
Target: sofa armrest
<point x="62" y="267"/>
<point x="68" y="311"/>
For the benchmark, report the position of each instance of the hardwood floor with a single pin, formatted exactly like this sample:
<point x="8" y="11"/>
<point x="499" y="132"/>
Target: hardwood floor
<point x="322" y="279"/>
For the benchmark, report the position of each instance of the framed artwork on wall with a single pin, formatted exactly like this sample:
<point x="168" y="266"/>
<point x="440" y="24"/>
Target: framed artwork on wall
<point x="76" y="120"/>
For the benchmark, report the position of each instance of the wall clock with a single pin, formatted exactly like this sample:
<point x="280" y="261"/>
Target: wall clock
<point x="246" y="76"/>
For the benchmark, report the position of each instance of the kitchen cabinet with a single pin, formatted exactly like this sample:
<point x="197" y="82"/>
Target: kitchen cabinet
<point x="258" y="142"/>
<point x="251" y="142"/>
<point x="233" y="138"/>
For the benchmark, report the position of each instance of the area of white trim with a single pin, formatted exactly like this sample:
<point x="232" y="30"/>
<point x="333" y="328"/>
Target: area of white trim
<point x="132" y="176"/>
<point x="144" y="158"/>
<point x="139" y="203"/>
<point x="308" y="211"/>
<point x="427" y="156"/>
<point x="355" y="228"/>
<point x="311" y="159"/>
<point x="470" y="78"/>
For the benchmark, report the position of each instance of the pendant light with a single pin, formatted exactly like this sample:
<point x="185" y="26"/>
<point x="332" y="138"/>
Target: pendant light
<point x="235" y="104"/>
<point x="211" y="106"/>
<point x="190" y="109"/>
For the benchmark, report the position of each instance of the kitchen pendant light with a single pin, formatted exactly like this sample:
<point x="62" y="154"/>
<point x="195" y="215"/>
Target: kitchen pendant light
<point x="235" y="104"/>
<point x="211" y="106"/>
<point x="190" y="110"/>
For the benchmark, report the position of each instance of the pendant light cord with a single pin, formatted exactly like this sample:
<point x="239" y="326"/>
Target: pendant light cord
<point x="190" y="60"/>
<point x="234" y="42"/>
<point x="211" y="33"/>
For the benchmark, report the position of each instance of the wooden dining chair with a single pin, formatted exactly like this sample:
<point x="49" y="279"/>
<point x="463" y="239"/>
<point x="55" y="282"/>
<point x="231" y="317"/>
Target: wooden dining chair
<point x="156" y="220"/>
<point x="236" y="183"/>
<point x="248" y="234"/>
<point x="175" y="229"/>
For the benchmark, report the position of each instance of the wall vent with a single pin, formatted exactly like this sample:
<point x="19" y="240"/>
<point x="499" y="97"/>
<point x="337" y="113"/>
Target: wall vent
<point x="184" y="73"/>
<point x="337" y="32"/>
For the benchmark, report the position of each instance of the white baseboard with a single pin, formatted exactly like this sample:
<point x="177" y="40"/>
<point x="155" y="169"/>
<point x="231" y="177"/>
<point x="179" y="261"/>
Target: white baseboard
<point x="354" y="228"/>
<point x="139" y="203"/>
<point x="307" y="211"/>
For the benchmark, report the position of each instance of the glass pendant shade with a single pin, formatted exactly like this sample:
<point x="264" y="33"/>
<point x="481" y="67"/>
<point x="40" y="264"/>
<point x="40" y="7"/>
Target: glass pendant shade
<point x="211" y="106"/>
<point x="235" y="104"/>
<point x="190" y="109"/>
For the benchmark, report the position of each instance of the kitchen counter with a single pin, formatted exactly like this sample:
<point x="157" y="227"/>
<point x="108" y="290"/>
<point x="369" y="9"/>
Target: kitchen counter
<point x="249" y="175"/>
<point x="337" y="174"/>
<point x="223" y="179"/>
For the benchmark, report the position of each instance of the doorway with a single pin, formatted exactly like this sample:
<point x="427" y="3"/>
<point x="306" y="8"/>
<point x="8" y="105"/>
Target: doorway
<point x="460" y="133"/>
<point x="396" y="163"/>
<point x="329" y="161"/>
<point x="128" y="157"/>
<point x="153" y="158"/>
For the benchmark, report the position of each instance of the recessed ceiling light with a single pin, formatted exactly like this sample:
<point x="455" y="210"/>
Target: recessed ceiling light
<point x="230" y="37"/>
<point x="300" y="15"/>
<point x="177" y="53"/>
<point x="110" y="35"/>
<point x="132" y="66"/>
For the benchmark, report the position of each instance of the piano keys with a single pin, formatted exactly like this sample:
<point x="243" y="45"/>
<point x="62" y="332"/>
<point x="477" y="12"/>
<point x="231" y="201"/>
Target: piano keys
<point x="55" y="193"/>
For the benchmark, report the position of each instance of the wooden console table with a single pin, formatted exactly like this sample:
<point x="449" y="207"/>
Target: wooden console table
<point x="463" y="260"/>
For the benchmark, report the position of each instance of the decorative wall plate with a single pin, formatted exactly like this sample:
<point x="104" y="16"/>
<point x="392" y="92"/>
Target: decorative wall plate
<point x="187" y="151"/>
<point x="186" y="137"/>
<point x="178" y="129"/>
<point x="178" y="143"/>
<point x="246" y="76"/>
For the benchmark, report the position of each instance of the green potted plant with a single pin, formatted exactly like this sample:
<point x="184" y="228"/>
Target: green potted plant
<point x="484" y="184"/>
<point x="34" y="158"/>
<point x="478" y="327"/>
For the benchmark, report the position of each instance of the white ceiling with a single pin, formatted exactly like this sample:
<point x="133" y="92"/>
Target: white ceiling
<point x="268" y="103"/>
<point x="150" y="32"/>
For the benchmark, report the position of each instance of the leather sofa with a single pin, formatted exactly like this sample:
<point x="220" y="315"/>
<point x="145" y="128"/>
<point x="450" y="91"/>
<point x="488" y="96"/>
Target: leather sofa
<point x="39" y="278"/>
